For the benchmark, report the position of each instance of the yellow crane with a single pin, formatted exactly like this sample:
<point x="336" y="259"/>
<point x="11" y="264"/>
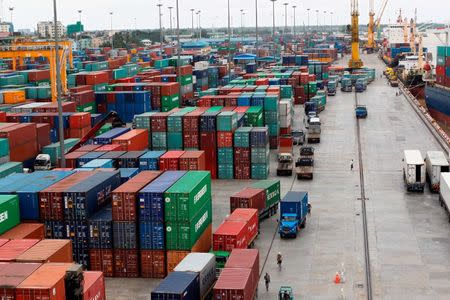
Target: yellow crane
<point x="371" y="30"/>
<point x="355" y="61"/>
<point x="380" y="15"/>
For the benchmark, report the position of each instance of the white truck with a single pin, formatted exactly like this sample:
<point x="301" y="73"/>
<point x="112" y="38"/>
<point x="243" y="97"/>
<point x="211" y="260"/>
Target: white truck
<point x="414" y="170"/>
<point x="314" y="130"/>
<point x="444" y="193"/>
<point x="436" y="163"/>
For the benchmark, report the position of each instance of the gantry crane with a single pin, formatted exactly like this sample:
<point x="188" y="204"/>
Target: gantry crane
<point x="355" y="61"/>
<point x="380" y="15"/>
<point x="371" y="28"/>
<point x="18" y="51"/>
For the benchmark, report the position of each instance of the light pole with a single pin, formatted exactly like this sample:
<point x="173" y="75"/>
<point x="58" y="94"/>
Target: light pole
<point x="77" y="34"/>
<point x="229" y="43"/>
<point x="331" y="22"/>
<point x="58" y="86"/>
<point x="199" y="24"/>
<point x="242" y="25"/>
<point x="193" y="30"/>
<point x="160" y="28"/>
<point x="111" y="29"/>
<point x="178" y="47"/>
<point x="309" y="28"/>
<point x="285" y="17"/>
<point x="324" y="20"/>
<point x="317" y="18"/>
<point x="170" y="15"/>
<point x="79" y="13"/>
<point x="256" y="27"/>
<point x="293" y="31"/>
<point x="11" y="9"/>
<point x="273" y="19"/>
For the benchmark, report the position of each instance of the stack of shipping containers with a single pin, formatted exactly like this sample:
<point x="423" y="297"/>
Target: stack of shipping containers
<point x="226" y="125"/>
<point x="259" y="153"/>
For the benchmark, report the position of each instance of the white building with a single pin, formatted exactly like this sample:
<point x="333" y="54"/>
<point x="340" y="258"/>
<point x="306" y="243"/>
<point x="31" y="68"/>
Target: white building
<point x="47" y="29"/>
<point x="6" y="27"/>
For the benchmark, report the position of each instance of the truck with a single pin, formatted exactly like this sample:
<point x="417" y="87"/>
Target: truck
<point x="310" y="106"/>
<point x="314" y="130"/>
<point x="304" y="168"/>
<point x="360" y="85"/>
<point x="306" y="152"/>
<point x="273" y="196"/>
<point x="293" y="212"/>
<point x="361" y="111"/>
<point x="436" y="163"/>
<point x="298" y="137"/>
<point x="414" y="170"/>
<point x="285" y="164"/>
<point x="444" y="192"/>
<point x="346" y="85"/>
<point x="331" y="88"/>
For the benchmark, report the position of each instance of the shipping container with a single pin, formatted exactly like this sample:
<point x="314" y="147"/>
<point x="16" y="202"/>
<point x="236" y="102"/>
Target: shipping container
<point x="187" y="195"/>
<point x="436" y="162"/>
<point x="59" y="251"/>
<point x="102" y="260"/>
<point x="151" y="235"/>
<point x="178" y="286"/>
<point x="108" y="137"/>
<point x="204" y="264"/>
<point x="9" y="212"/>
<point x="130" y="159"/>
<point x="245" y="259"/>
<point x="248" y="198"/>
<point x="153" y="263"/>
<point x="93" y="286"/>
<point x="235" y="283"/>
<point x="170" y="161"/>
<point x="134" y="140"/>
<point x="193" y="161"/>
<point x="13" y="274"/>
<point x="25" y="231"/>
<point x="233" y="234"/>
<point x="125" y="235"/>
<point x="150" y="160"/>
<point x="14" y="248"/>
<point x="101" y="230"/>
<point x="126" y="263"/>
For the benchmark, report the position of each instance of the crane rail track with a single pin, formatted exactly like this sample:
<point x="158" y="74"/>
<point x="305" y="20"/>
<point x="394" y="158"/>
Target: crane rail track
<point x="363" y="199"/>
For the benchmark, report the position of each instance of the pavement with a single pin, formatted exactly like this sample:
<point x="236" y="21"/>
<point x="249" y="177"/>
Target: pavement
<point x="409" y="238"/>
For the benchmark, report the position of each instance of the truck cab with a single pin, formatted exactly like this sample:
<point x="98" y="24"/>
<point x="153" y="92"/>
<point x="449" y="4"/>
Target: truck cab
<point x="314" y="130"/>
<point x="361" y="111"/>
<point x="293" y="212"/>
<point x="42" y="162"/>
<point x="331" y="88"/>
<point x="285" y="164"/>
<point x="360" y="85"/>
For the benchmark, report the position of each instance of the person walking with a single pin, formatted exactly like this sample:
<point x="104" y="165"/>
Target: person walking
<point x="279" y="260"/>
<point x="267" y="281"/>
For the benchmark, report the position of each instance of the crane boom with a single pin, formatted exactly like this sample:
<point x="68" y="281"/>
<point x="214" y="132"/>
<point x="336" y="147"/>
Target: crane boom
<point x="371" y="27"/>
<point x="355" y="61"/>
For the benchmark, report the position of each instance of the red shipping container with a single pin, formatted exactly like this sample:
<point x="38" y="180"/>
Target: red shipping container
<point x="191" y="121"/>
<point x="3" y="241"/>
<point x="108" y="148"/>
<point x="25" y="231"/>
<point x="67" y="106"/>
<point x="51" y="205"/>
<point x="102" y="260"/>
<point x="94" y="78"/>
<point x="224" y="139"/>
<point x="24" y="152"/>
<point x="88" y="148"/>
<point x="286" y="141"/>
<point x="72" y="159"/>
<point x="2" y="116"/>
<point x="245" y="259"/>
<point x="153" y="263"/>
<point x="80" y="120"/>
<point x="38" y="75"/>
<point x="126" y="263"/>
<point x="158" y="122"/>
<point x="47" y="251"/>
<point x="43" y="135"/>
<point x="168" y="70"/>
<point x="11" y="275"/>
<point x="170" y="160"/>
<point x="133" y="140"/>
<point x="19" y="134"/>
<point x="185" y="70"/>
<point x="193" y="161"/>
<point x="14" y="248"/>
<point x="248" y="215"/>
<point x="242" y="155"/>
<point x="232" y="234"/>
<point x="242" y="171"/>
<point x="248" y="198"/>
<point x="14" y="117"/>
<point x="125" y="199"/>
<point x="81" y="88"/>
<point x="170" y="88"/>
<point x="93" y="286"/>
<point x="47" y="283"/>
<point x="83" y="97"/>
<point x="208" y="144"/>
<point x="79" y="133"/>
<point x="235" y="283"/>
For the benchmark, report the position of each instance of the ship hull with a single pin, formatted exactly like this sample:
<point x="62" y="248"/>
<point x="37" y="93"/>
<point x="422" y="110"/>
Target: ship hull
<point x="438" y="103"/>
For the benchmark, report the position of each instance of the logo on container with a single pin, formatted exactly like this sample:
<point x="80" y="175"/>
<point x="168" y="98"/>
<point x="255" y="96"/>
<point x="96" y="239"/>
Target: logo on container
<point x="3" y="216"/>
<point x="200" y="193"/>
<point x="201" y="221"/>
<point x="272" y="195"/>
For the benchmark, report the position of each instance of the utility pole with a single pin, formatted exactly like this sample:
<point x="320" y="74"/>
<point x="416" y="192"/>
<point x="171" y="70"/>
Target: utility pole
<point x="161" y="37"/>
<point x="331" y="22"/>
<point x="273" y="19"/>
<point x="199" y="24"/>
<point x="242" y="25"/>
<point x="11" y="9"/>
<point x="193" y="30"/>
<point x="111" y="28"/>
<point x="324" y="21"/>
<point x="178" y="48"/>
<point x="256" y="27"/>
<point x="293" y="31"/>
<point x="58" y="87"/>
<point x="309" y="28"/>
<point x="285" y="17"/>
<point x="77" y="35"/>
<point x="229" y="43"/>
<point x="317" y="18"/>
<point x="170" y="15"/>
<point x="79" y="13"/>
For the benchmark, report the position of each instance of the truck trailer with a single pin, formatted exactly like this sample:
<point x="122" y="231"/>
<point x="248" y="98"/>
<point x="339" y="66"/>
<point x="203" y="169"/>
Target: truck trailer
<point x="414" y="170"/>
<point x="444" y="193"/>
<point x="436" y="164"/>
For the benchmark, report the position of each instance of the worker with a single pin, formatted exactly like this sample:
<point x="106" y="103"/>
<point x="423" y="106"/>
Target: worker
<point x="267" y="281"/>
<point x="279" y="260"/>
<point x="309" y="208"/>
<point x="351" y="165"/>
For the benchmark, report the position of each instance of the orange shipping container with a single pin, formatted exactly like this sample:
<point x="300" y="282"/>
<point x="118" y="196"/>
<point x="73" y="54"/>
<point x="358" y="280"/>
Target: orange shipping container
<point x="133" y="140"/>
<point x="46" y="283"/>
<point x="25" y="231"/>
<point x="13" y="97"/>
<point x="59" y="251"/>
<point x="93" y="286"/>
<point x="193" y="161"/>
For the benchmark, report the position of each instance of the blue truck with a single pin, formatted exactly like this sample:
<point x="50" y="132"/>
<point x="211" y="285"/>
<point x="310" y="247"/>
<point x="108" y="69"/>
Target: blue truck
<point x="361" y="111"/>
<point x="331" y="88"/>
<point x="293" y="211"/>
<point x="360" y="85"/>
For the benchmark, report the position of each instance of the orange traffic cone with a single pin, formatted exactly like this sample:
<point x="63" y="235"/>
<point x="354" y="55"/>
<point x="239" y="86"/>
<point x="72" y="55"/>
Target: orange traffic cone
<point x="337" y="278"/>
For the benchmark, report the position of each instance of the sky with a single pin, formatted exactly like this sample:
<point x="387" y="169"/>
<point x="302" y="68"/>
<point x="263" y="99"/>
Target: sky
<point x="143" y="14"/>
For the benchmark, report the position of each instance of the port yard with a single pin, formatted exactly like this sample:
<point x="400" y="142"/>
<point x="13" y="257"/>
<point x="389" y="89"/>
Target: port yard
<point x="408" y="233"/>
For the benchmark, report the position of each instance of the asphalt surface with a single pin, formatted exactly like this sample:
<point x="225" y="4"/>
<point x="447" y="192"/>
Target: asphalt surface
<point x="409" y="238"/>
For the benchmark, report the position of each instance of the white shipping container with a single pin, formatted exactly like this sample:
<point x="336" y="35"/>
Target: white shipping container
<point x="435" y="163"/>
<point x="414" y="170"/>
<point x="444" y="192"/>
<point x="202" y="263"/>
<point x="285" y="121"/>
<point x="27" y="108"/>
<point x="201" y="65"/>
<point x="285" y="107"/>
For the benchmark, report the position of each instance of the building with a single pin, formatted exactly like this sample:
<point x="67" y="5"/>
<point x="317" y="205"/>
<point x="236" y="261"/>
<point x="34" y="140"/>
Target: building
<point x="6" y="27"/>
<point x="73" y="29"/>
<point x="47" y="29"/>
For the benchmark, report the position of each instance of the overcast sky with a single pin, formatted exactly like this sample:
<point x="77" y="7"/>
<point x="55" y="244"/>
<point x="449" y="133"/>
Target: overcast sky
<point x="144" y="13"/>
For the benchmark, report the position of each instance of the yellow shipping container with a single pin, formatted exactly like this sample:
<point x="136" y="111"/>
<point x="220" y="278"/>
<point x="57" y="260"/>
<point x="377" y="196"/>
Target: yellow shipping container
<point x="14" y="97"/>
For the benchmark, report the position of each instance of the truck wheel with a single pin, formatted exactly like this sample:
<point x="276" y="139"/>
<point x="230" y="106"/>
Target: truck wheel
<point x="312" y="176"/>
<point x="303" y="225"/>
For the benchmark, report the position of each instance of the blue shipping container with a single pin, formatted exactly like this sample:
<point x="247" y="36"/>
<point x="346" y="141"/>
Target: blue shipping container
<point x="88" y="157"/>
<point x="151" y="197"/>
<point x="100" y="229"/>
<point x="107" y="137"/>
<point x="150" y="160"/>
<point x="259" y="137"/>
<point x="208" y="121"/>
<point x="130" y="159"/>
<point x="178" y="286"/>
<point x="127" y="173"/>
<point x="55" y="229"/>
<point x="151" y="235"/>
<point x="78" y="233"/>
<point x="114" y="155"/>
<point x="125" y="235"/>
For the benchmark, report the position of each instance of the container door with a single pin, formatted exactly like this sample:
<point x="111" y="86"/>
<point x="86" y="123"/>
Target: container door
<point x="418" y="173"/>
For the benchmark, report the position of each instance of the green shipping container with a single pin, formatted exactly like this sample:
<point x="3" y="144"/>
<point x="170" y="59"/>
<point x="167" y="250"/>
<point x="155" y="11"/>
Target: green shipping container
<point x="182" y="235"/>
<point x="44" y="92"/>
<point x="272" y="188"/>
<point x="271" y="117"/>
<point x="254" y="116"/>
<point x="175" y="140"/>
<point x="119" y="74"/>
<point x="225" y="155"/>
<point x="54" y="151"/>
<point x="159" y="141"/>
<point x="260" y="155"/>
<point x="274" y="129"/>
<point x="185" y="80"/>
<point x="286" y="91"/>
<point x="175" y="120"/>
<point x="103" y="129"/>
<point x="225" y="171"/>
<point x="9" y="212"/>
<point x="271" y="103"/>
<point x="187" y="196"/>
<point x="215" y="109"/>
<point x="170" y="102"/>
<point x="259" y="171"/>
<point x="441" y="51"/>
<point x="162" y="63"/>
<point x="90" y="107"/>
<point x="227" y="121"/>
<point x="242" y="137"/>
<point x="4" y="147"/>
<point x="100" y="87"/>
<point x="10" y="168"/>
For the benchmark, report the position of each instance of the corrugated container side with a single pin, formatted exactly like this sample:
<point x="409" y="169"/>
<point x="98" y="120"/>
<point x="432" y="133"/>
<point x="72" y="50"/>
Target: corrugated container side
<point x="102" y="260"/>
<point x="126" y="263"/>
<point x="59" y="251"/>
<point x="25" y="231"/>
<point x="93" y="286"/>
<point x="153" y="263"/>
<point x="178" y="286"/>
<point x="14" y="248"/>
<point x="234" y="283"/>
<point x="13" y="274"/>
